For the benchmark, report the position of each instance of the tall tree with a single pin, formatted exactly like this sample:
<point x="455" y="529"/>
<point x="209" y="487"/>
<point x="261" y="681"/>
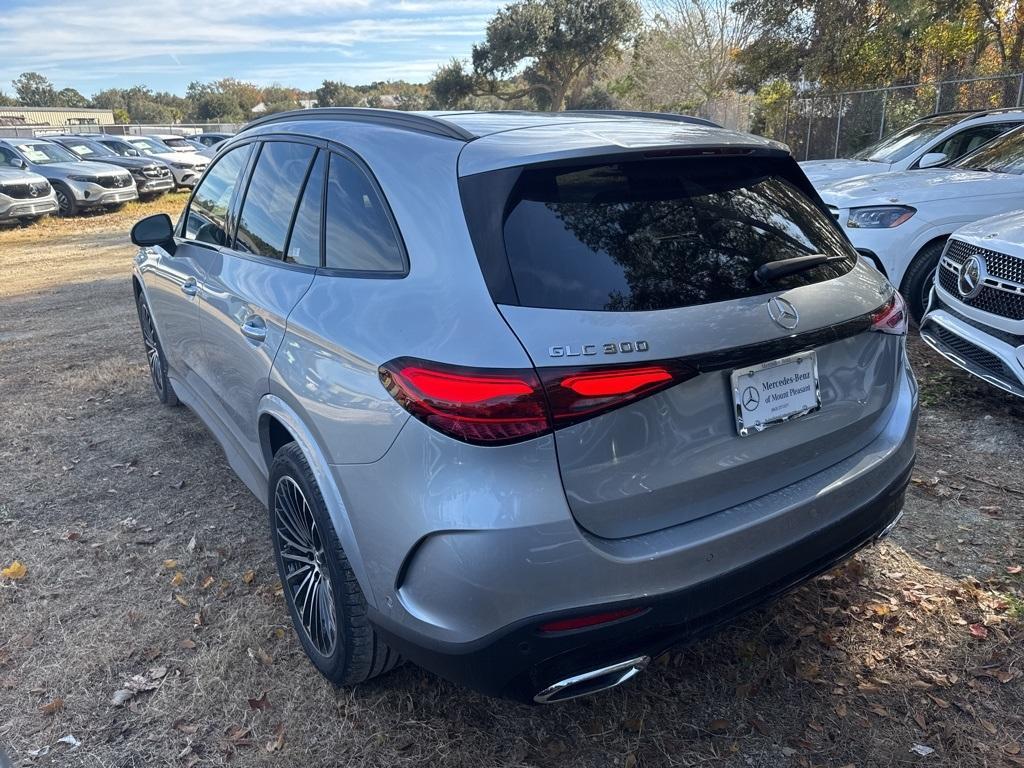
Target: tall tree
<point x="333" y="93"/>
<point x="541" y="48"/>
<point x="34" y="90"/>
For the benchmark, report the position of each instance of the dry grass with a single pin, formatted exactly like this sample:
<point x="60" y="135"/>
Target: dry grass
<point x="100" y="487"/>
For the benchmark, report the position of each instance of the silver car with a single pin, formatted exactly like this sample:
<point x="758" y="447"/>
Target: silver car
<point x="77" y="185"/>
<point x="530" y="398"/>
<point x="186" y="167"/>
<point x="24" y="196"/>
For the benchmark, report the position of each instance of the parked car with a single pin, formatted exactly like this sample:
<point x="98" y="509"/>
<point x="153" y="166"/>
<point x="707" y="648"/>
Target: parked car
<point x="24" y="196"/>
<point x="530" y="398"/>
<point x="152" y="177"/>
<point x="77" y="185"/>
<point x="210" y="138"/>
<point x="926" y="143"/>
<point x="186" y="167"/>
<point x="976" y="315"/>
<point x="173" y="141"/>
<point x="900" y="221"/>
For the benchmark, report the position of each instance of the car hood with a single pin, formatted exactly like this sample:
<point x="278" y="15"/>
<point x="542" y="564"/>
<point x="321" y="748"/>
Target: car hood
<point x="81" y="168"/>
<point x="911" y="187"/>
<point x="173" y="156"/>
<point x="127" y="162"/>
<point x="1003" y="233"/>
<point x="834" y="170"/>
<point x="18" y="176"/>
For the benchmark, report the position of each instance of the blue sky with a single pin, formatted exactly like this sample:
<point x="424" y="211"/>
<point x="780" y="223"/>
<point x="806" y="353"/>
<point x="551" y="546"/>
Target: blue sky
<point x="96" y="44"/>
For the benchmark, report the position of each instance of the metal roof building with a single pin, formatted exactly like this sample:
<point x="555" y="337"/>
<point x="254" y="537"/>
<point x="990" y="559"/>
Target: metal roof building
<point x="54" y="117"/>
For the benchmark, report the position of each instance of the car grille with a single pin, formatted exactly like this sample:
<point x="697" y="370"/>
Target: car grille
<point x="113" y="182"/>
<point x="27" y="190"/>
<point x="970" y="352"/>
<point x="1008" y="271"/>
<point x="156" y="172"/>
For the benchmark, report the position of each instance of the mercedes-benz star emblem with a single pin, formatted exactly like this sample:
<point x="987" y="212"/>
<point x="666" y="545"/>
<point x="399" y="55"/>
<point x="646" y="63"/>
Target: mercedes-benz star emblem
<point x="33" y="191"/>
<point x="972" y="277"/>
<point x="783" y="313"/>
<point x="751" y="398"/>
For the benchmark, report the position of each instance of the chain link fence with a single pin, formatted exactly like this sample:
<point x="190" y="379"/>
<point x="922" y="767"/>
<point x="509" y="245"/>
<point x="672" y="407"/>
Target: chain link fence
<point x="837" y="125"/>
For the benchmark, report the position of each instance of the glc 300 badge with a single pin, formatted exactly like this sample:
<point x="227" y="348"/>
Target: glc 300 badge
<point x="589" y="350"/>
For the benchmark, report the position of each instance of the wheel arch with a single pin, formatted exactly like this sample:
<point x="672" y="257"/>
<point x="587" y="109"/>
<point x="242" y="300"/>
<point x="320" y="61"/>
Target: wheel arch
<point x="278" y="422"/>
<point x="936" y="240"/>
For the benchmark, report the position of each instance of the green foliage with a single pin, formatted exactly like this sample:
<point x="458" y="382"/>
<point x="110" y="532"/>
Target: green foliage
<point x="337" y="94"/>
<point x="546" y="50"/>
<point x="7" y="101"/>
<point x="34" y="90"/>
<point x="69" y="97"/>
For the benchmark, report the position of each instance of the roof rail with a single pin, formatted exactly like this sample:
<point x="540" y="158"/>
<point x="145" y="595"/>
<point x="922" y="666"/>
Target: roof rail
<point x="396" y="118"/>
<point x="952" y="112"/>
<point x="672" y="116"/>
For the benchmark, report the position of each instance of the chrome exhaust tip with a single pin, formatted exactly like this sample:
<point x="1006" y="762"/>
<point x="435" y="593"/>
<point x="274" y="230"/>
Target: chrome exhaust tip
<point x="595" y="680"/>
<point x="884" y="533"/>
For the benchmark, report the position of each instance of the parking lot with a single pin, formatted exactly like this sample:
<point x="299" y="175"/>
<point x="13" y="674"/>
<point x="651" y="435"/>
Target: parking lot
<point x="149" y="626"/>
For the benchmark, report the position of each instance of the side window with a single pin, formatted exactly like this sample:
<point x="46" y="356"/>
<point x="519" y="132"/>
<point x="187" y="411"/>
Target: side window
<point x="271" y="198"/>
<point x="7" y="156"/>
<point x="970" y="139"/>
<point x="359" y="234"/>
<point x="208" y="211"/>
<point x="304" y="244"/>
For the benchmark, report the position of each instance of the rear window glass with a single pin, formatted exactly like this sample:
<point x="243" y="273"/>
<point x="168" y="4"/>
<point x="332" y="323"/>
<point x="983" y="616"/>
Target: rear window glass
<point x="658" y="234"/>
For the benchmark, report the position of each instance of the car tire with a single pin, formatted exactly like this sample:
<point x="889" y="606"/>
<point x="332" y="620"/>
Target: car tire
<point x="326" y="604"/>
<point x="917" y="281"/>
<point x="155" y="354"/>
<point x="66" y="205"/>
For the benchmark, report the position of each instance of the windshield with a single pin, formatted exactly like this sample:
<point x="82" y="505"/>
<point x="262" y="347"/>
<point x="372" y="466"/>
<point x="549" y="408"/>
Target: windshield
<point x="88" y="149"/>
<point x="177" y="143"/>
<point x="42" y="153"/>
<point x="902" y="144"/>
<point x="1004" y="154"/>
<point x="149" y="146"/>
<point x="657" y="234"/>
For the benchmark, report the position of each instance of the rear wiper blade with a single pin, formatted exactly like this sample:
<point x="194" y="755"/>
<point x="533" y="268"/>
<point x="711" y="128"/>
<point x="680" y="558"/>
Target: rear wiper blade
<point x="776" y="270"/>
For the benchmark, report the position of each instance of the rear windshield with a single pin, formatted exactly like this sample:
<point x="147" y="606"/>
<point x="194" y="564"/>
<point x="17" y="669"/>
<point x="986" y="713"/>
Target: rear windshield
<point x="659" y="234"/>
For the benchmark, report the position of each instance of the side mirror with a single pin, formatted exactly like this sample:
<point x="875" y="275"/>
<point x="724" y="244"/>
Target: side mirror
<point x="17" y="162"/>
<point x="154" y="230"/>
<point x="931" y="159"/>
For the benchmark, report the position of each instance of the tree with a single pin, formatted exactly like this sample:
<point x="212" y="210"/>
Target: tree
<point x="34" y="90"/>
<point x="7" y="101"/>
<point x="541" y="48"/>
<point x="337" y="94"/>
<point x="69" y="97"/>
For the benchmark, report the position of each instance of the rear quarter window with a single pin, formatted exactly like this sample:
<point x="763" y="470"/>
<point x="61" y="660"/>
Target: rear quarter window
<point x="658" y="234"/>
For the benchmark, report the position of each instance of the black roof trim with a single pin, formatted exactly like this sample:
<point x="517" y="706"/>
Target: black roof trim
<point x="393" y="117"/>
<point x="671" y="116"/>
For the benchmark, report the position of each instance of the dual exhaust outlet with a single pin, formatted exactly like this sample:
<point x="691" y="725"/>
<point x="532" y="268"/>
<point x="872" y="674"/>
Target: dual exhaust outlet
<point x="603" y="678"/>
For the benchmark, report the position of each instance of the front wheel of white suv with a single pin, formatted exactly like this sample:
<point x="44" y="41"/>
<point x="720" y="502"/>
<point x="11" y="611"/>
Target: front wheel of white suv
<point x="917" y="282"/>
<point x="327" y="606"/>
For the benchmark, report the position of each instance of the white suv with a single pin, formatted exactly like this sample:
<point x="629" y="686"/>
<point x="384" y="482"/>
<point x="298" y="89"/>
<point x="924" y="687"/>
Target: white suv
<point x="976" y="314"/>
<point x="900" y="221"/>
<point x="926" y="143"/>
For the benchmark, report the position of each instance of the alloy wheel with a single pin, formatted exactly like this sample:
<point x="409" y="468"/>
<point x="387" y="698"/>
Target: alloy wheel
<point x="305" y="563"/>
<point x="62" y="201"/>
<point x="153" y="357"/>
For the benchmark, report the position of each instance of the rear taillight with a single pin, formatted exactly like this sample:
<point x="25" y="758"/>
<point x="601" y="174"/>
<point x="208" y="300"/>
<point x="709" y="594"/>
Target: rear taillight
<point x="891" y="317"/>
<point x="593" y="620"/>
<point x="498" y="406"/>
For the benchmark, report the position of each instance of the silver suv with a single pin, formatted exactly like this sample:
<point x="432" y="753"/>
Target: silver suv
<point x="24" y="196"/>
<point x="530" y="398"/>
<point x="77" y="185"/>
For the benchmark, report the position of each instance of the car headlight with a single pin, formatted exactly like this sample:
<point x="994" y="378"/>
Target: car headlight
<point x="87" y="179"/>
<point x="182" y="166"/>
<point x="879" y="216"/>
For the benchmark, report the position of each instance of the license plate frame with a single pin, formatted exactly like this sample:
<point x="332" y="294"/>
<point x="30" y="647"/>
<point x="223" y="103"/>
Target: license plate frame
<point x="784" y="389"/>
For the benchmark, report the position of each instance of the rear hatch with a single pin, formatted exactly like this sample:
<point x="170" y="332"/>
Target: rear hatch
<point x="647" y="263"/>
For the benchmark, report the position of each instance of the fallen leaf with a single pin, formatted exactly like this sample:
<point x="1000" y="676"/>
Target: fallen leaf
<point x="630" y="761"/>
<point x="170" y="565"/>
<point x="207" y="583"/>
<point x="633" y="724"/>
<point x="70" y="740"/>
<point x="1014" y="569"/>
<point x="187" y="644"/>
<point x="261" y="703"/>
<point x="719" y="726"/>
<point x="16" y="571"/>
<point x="239" y="736"/>
<point x="189" y="729"/>
<point x="122" y="697"/>
<point x="52" y="708"/>
<point x="922" y="750"/>
<point x="278" y="742"/>
<point x="979" y="631"/>
<point x="248" y="576"/>
<point x="989" y="726"/>
<point x="182" y="601"/>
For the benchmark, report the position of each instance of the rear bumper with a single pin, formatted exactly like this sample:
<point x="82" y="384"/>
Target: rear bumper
<point x="519" y="661"/>
<point x="466" y="603"/>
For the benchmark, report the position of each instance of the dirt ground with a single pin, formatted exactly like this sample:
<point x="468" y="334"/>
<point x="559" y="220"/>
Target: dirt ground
<point x="149" y="582"/>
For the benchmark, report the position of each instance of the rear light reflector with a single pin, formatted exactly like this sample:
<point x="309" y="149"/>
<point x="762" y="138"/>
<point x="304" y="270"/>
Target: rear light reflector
<point x="891" y="317"/>
<point x="593" y="620"/>
<point x="506" y="405"/>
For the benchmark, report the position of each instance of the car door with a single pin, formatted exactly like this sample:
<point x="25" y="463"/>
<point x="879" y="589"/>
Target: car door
<point x="174" y="282"/>
<point x="251" y="287"/>
<point x="968" y="140"/>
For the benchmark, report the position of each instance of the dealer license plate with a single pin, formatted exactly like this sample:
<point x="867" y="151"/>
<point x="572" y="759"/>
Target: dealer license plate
<point x="771" y="393"/>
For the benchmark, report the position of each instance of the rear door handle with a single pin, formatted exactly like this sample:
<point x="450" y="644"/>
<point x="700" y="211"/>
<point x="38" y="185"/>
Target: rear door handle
<point x="254" y="328"/>
<point x="190" y="287"/>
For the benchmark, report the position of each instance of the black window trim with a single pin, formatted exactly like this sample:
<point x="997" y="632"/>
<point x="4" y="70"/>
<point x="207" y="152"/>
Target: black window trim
<point x="371" y="274"/>
<point x="298" y="205"/>
<point x="228" y="218"/>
